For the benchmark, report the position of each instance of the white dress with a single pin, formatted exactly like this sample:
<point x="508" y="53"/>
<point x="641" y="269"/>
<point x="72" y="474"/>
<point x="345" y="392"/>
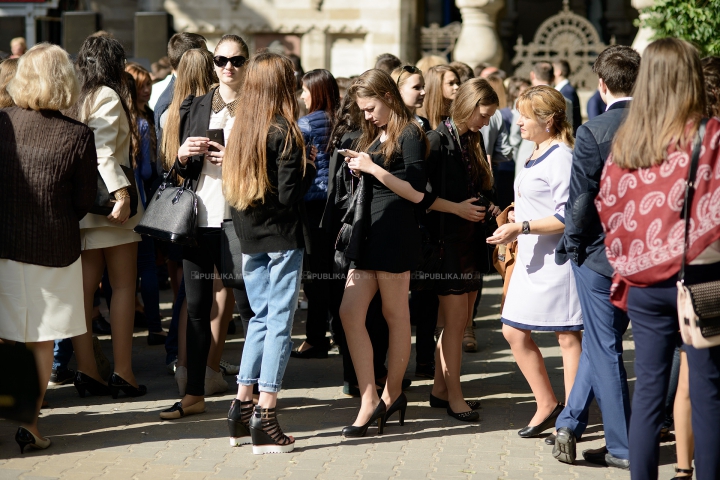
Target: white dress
<point x="542" y="295"/>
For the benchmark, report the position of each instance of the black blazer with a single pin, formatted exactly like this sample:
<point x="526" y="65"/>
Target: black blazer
<point x="333" y="213"/>
<point x="568" y="91"/>
<point x="445" y="153"/>
<point x="583" y="239"/>
<point x="195" y="115"/>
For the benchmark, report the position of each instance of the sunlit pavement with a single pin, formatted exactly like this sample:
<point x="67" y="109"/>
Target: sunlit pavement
<point x="100" y="437"/>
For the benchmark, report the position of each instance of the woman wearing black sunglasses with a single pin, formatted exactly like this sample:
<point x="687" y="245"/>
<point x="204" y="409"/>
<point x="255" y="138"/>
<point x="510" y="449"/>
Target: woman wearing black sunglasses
<point x="200" y="160"/>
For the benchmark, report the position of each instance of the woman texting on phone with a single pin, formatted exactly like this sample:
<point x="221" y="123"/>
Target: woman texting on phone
<point x="200" y="159"/>
<point x="396" y="148"/>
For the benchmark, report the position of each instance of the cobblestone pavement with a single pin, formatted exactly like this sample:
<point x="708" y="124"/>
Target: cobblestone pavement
<point x="124" y="438"/>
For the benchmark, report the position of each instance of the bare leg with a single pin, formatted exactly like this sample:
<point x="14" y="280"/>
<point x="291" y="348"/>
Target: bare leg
<point x="531" y="363"/>
<point x="449" y="351"/>
<point x="570" y="348"/>
<point x="396" y="310"/>
<point x="684" y="441"/>
<point x="93" y="264"/>
<point x="122" y="270"/>
<point x="43" y="353"/>
<point x="220" y="316"/>
<point x="360" y="288"/>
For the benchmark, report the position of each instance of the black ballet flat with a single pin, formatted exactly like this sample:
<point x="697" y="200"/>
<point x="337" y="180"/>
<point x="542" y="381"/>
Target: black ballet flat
<point x="117" y="384"/>
<point x="399" y="405"/>
<point x="471" y="416"/>
<point x="378" y="415"/>
<point x="436" y="402"/>
<point x="549" y="422"/>
<point x="86" y="384"/>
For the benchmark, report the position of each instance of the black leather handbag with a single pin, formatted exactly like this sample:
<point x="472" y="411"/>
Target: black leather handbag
<point x="351" y="238"/>
<point x="230" y="257"/>
<point x="171" y="214"/>
<point x="105" y="201"/>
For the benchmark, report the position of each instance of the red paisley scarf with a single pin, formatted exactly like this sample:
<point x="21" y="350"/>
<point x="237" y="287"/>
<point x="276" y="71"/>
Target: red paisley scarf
<point x="641" y="213"/>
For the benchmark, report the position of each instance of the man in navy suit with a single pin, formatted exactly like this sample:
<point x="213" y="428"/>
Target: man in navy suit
<point x="561" y="69"/>
<point x="601" y="373"/>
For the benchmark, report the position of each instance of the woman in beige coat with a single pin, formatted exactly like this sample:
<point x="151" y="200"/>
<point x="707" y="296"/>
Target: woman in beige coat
<point x="108" y="241"/>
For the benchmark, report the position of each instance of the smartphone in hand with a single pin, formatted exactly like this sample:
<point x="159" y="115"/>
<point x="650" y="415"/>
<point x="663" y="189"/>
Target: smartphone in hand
<point x="216" y="135"/>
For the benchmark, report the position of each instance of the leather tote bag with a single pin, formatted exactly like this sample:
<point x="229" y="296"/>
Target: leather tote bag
<point x="230" y="257"/>
<point x="171" y="215"/>
<point x="105" y="201"/>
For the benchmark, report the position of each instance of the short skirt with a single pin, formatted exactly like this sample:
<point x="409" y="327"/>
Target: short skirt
<point x="106" y="237"/>
<point x="39" y="303"/>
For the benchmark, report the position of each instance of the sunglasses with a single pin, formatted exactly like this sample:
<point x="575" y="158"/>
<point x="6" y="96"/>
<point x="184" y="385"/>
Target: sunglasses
<point x="411" y="69"/>
<point x="236" y="62"/>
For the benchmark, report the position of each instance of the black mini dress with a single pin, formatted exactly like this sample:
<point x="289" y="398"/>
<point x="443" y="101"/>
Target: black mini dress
<point x="393" y="239"/>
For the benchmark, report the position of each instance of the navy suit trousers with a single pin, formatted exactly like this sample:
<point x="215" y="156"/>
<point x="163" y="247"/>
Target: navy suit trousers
<point x="601" y="373"/>
<point x="653" y="311"/>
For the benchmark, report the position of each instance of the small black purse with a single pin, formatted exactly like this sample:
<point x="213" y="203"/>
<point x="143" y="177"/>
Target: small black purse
<point x="171" y="215"/>
<point x="105" y="201"/>
<point x="230" y="257"/>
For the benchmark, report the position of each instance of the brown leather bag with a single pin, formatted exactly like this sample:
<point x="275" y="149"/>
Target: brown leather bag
<point x="504" y="255"/>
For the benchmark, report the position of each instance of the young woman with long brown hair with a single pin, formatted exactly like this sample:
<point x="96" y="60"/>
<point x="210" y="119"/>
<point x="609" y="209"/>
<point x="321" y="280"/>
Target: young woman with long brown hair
<point x="197" y="161"/>
<point x="542" y="295"/>
<point x="390" y="153"/>
<point x="641" y="203"/>
<point x="458" y="156"/>
<point x="266" y="175"/>
<point x="441" y="85"/>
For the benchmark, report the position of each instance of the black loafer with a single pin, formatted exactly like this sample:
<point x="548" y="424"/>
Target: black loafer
<point x="600" y="456"/>
<point x="565" y="444"/>
<point x="471" y="416"/>
<point x="100" y="326"/>
<point x="436" y="402"/>
<point x="550" y="439"/>
<point x="549" y="422"/>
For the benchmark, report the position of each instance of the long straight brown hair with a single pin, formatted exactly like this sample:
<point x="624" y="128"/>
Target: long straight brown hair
<point x="268" y="91"/>
<point x="436" y="106"/>
<point x="669" y="91"/>
<point x="377" y="84"/>
<point x="472" y="94"/>
<point x="195" y="75"/>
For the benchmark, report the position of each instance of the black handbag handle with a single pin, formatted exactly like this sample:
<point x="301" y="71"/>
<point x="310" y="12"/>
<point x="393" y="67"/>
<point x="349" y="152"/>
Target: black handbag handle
<point x="690" y="193"/>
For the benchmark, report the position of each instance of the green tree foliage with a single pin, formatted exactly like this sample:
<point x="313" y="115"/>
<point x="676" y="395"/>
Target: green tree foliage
<point x="697" y="21"/>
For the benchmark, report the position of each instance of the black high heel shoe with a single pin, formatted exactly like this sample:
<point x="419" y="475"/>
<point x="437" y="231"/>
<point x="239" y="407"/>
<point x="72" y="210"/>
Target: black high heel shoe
<point x="239" y="422"/>
<point x="267" y="436"/>
<point x="117" y="384"/>
<point x="378" y="415"/>
<point x="400" y="404"/>
<point x="25" y="437"/>
<point x="85" y="383"/>
<point x="549" y="422"/>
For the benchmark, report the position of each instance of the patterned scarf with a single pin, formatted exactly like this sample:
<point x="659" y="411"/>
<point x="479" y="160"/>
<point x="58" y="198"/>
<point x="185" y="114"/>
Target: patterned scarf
<point x="641" y="213"/>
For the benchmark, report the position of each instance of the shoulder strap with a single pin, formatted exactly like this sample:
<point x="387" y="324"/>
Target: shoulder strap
<point x="690" y="191"/>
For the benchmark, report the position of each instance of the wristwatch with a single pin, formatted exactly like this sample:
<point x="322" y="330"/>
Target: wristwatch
<point x="525" y="227"/>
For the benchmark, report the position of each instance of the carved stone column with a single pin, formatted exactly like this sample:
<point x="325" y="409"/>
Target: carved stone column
<point x="642" y="39"/>
<point x="478" y="41"/>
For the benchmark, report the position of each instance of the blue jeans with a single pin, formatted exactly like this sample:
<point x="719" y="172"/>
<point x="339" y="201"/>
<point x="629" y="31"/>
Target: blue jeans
<point x="601" y="372"/>
<point x="62" y="353"/>
<point x="272" y="281"/>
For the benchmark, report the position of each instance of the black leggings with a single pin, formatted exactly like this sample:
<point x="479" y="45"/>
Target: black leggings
<point x="198" y="270"/>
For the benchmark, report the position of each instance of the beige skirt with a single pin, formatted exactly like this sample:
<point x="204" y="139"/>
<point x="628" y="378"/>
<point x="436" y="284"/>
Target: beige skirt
<point x="106" y="237"/>
<point x="41" y="303"/>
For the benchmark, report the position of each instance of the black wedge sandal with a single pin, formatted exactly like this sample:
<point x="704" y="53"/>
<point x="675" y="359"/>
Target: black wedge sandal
<point x="689" y="472"/>
<point x="239" y="422"/>
<point x="267" y="436"/>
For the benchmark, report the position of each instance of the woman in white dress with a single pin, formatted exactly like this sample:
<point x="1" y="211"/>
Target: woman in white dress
<point x="541" y="294"/>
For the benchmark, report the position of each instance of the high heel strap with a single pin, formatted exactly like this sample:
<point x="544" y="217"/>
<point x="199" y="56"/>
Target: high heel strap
<point x="264" y="420"/>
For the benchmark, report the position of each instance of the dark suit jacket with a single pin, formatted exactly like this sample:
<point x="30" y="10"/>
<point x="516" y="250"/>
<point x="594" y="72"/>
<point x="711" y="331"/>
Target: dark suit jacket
<point x="595" y="106"/>
<point x="161" y="106"/>
<point x="583" y="239"/>
<point x="568" y="91"/>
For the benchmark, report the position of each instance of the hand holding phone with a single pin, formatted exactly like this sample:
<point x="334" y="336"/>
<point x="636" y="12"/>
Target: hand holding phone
<point x="216" y="135"/>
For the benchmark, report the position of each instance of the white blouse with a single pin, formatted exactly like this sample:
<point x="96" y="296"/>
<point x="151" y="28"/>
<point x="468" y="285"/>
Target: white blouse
<point x="212" y="207"/>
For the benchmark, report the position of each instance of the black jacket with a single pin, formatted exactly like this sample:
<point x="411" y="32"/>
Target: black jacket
<point x="583" y="239"/>
<point x="280" y="223"/>
<point x="195" y="115"/>
<point x="569" y="92"/>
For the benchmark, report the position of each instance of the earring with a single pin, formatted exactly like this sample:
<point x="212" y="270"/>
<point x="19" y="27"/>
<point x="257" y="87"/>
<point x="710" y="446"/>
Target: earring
<point x="547" y="130"/>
